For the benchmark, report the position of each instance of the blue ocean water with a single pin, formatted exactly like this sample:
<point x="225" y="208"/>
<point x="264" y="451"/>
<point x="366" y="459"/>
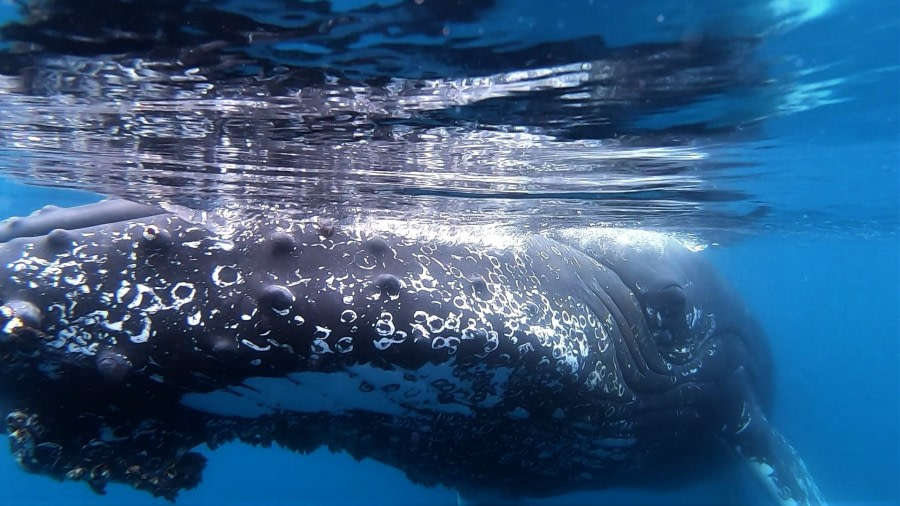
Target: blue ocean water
<point x="822" y="272"/>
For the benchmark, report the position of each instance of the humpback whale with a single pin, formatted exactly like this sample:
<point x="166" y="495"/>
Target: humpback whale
<point x="529" y="367"/>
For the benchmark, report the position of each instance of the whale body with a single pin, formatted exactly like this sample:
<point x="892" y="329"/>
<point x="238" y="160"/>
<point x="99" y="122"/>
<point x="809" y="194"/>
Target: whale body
<point x="130" y="335"/>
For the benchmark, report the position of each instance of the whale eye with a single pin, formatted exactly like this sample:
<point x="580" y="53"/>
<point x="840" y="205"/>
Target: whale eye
<point x="670" y="301"/>
<point x="665" y="296"/>
<point x="664" y="308"/>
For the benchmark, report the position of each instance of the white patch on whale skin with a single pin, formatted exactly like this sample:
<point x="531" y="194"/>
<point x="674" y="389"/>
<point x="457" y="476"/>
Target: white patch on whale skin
<point x="766" y="475"/>
<point x="195" y="319"/>
<point x="13" y="325"/>
<point x="76" y="279"/>
<point x="255" y="347"/>
<point x="359" y="387"/>
<point x="144" y="336"/>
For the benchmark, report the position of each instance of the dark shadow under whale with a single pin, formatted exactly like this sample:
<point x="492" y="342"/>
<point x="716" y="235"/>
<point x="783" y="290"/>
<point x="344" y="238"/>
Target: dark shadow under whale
<point x="514" y="366"/>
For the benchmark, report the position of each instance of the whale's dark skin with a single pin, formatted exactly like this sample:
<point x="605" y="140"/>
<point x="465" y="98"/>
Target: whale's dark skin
<point x="541" y="367"/>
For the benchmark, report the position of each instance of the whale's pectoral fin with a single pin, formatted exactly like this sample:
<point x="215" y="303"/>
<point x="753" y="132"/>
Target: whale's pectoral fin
<point x="772" y="460"/>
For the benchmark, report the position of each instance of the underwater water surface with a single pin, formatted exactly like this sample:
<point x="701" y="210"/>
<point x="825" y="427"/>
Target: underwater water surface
<point x="767" y="133"/>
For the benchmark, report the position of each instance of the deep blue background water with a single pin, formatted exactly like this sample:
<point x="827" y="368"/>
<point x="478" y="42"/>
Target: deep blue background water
<point x="827" y="295"/>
